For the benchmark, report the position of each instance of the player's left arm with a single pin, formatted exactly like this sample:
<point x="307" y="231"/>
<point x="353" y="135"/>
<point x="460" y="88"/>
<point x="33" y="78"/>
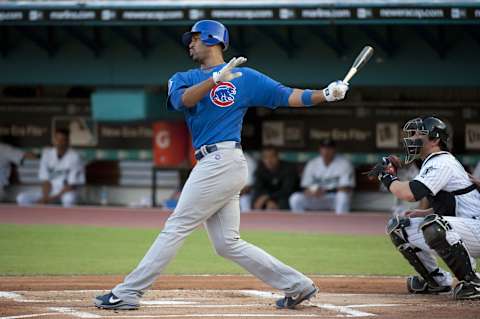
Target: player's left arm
<point x="402" y="190"/>
<point x="386" y="172"/>
<point x="192" y="95"/>
<point x="429" y="181"/>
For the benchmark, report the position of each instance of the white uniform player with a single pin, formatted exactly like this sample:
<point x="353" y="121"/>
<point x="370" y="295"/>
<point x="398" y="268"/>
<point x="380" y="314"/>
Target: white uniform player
<point x="8" y="155"/>
<point x="61" y="171"/>
<point x="450" y="227"/>
<point x="327" y="181"/>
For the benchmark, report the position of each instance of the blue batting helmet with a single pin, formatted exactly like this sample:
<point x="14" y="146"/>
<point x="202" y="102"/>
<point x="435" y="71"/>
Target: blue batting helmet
<point x="211" y="33"/>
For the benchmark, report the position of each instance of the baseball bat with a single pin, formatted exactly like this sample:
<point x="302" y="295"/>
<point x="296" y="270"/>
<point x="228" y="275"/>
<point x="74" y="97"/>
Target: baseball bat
<point x="359" y="62"/>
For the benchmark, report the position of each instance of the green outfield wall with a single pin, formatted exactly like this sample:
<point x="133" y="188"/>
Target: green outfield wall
<point x="406" y="55"/>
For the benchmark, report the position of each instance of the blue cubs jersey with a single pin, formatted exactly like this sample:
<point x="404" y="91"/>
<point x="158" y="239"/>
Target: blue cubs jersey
<point x="218" y="116"/>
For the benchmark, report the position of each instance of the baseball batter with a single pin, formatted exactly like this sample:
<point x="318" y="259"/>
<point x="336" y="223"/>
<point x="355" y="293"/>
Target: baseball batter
<point x="450" y="227"/>
<point x="214" y="99"/>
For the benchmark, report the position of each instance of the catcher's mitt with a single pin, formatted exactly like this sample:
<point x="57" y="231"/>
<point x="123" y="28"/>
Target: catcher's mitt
<point x="388" y="165"/>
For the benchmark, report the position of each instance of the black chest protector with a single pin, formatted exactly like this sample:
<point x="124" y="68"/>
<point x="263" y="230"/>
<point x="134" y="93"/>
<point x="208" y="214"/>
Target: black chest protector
<point x="444" y="202"/>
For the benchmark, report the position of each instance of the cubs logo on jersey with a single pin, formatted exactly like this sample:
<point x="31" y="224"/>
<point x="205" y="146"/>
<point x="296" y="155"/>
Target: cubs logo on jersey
<point x="223" y="94"/>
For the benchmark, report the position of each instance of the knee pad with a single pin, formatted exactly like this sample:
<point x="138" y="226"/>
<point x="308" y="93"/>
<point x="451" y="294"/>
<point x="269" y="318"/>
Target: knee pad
<point x="456" y="255"/>
<point x="434" y="229"/>
<point x="396" y="230"/>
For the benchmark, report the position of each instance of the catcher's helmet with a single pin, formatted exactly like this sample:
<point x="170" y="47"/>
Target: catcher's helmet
<point x="414" y="129"/>
<point x="211" y="32"/>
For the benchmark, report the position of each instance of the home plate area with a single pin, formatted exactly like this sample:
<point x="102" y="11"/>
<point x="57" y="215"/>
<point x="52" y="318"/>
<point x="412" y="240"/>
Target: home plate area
<point x="230" y="304"/>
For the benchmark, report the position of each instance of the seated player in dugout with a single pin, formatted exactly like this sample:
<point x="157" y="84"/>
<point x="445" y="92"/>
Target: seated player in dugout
<point x="214" y="99"/>
<point x="274" y="181"/>
<point x="327" y="181"/>
<point x="61" y="172"/>
<point x="450" y="227"/>
<point x="10" y="155"/>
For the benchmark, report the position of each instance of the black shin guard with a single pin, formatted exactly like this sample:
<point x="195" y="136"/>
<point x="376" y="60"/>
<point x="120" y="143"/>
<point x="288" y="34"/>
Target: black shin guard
<point x="395" y="228"/>
<point x="456" y="256"/>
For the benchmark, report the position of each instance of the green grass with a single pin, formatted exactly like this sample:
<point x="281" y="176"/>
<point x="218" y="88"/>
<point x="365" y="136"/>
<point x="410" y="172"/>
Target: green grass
<point x="62" y="250"/>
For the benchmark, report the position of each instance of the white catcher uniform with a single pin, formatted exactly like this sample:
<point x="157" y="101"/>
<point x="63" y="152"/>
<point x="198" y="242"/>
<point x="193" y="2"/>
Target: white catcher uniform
<point x="442" y="172"/>
<point x="8" y="155"/>
<point x="69" y="169"/>
<point x="476" y="172"/>
<point x="339" y="173"/>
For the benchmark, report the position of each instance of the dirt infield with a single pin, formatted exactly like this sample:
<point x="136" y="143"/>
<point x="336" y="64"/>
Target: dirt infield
<point x="224" y="296"/>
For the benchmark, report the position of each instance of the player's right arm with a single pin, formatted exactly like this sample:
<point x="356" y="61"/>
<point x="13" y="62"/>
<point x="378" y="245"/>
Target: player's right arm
<point x="270" y="93"/>
<point x="335" y="91"/>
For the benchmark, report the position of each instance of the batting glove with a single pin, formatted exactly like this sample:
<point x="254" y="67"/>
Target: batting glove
<point x="225" y="74"/>
<point x="335" y="91"/>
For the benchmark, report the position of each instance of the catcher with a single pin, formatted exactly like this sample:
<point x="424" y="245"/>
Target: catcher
<point x="450" y="227"/>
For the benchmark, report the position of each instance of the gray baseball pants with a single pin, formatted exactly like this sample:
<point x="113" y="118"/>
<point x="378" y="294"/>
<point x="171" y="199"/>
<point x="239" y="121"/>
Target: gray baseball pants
<point x="211" y="196"/>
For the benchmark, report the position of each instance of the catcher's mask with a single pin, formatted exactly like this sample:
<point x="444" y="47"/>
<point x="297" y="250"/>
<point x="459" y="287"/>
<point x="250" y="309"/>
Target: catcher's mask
<point x="415" y="132"/>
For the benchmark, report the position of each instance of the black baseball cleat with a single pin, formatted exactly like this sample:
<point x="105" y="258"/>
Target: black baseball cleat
<point x="110" y="301"/>
<point x="418" y="285"/>
<point x="466" y="290"/>
<point x="292" y="302"/>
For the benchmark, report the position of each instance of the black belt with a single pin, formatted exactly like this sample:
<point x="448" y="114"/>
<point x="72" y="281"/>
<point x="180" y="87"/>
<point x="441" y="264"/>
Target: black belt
<point x="210" y="149"/>
<point x="466" y="190"/>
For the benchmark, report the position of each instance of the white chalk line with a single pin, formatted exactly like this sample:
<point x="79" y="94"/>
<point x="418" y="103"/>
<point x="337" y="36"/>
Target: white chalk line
<point x="32" y="315"/>
<point x="73" y="312"/>
<point x="21" y="299"/>
<point x="10" y="295"/>
<point x="343" y="310"/>
<point x="374" y="305"/>
<point x="223" y="315"/>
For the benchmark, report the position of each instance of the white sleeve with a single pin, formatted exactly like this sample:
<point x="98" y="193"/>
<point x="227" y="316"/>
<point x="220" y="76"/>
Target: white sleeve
<point x="12" y="154"/>
<point x="434" y="175"/>
<point x="76" y="173"/>
<point x="43" y="174"/>
<point x="307" y="175"/>
<point x="347" y="176"/>
<point x="476" y="172"/>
